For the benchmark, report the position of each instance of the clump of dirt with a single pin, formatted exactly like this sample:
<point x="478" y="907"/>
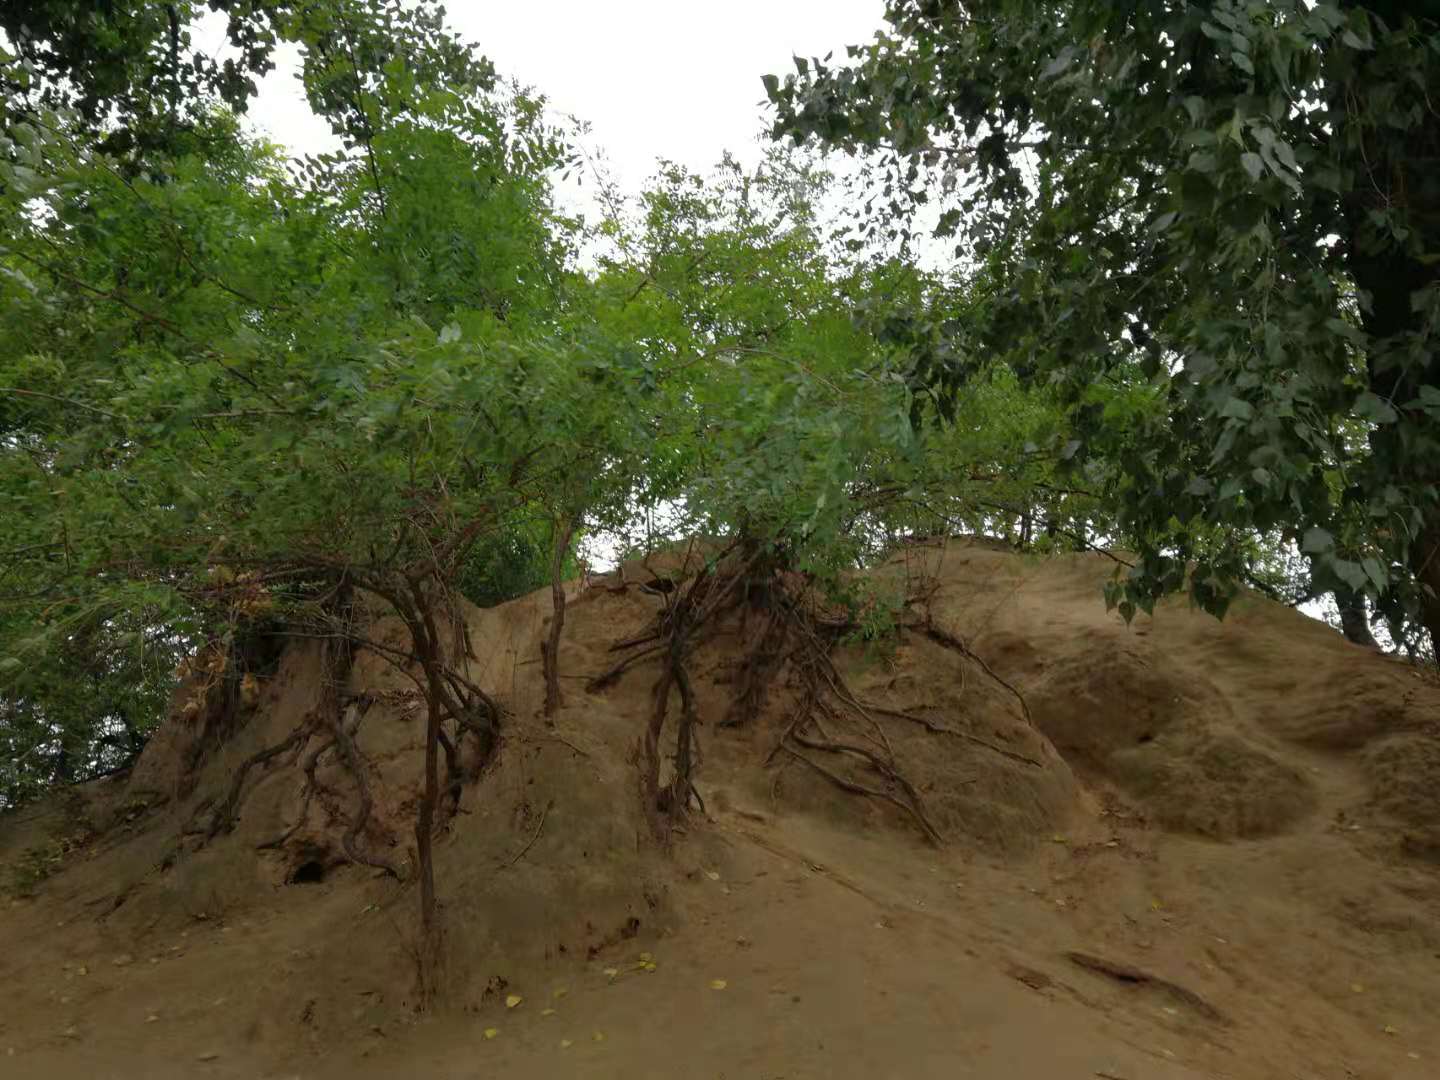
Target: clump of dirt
<point x="1404" y="775"/>
<point x="1213" y="784"/>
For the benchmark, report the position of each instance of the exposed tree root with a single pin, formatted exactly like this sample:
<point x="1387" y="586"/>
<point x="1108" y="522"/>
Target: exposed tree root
<point x="860" y="789"/>
<point x="312" y="784"/>
<point x="796" y="634"/>
<point x="940" y="729"/>
<point x="1134" y="976"/>
<point x="941" y="636"/>
<point x="355" y="765"/>
<point x="550" y="647"/>
<point x="759" y="670"/>
<point x="223" y="815"/>
<point x="608" y="678"/>
<point x="474" y="714"/>
<point x="909" y="799"/>
<point x="533" y="836"/>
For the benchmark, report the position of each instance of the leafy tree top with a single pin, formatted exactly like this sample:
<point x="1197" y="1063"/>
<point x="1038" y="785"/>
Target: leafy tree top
<point x="1237" y="198"/>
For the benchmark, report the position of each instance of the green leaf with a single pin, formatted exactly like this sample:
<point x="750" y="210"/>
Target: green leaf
<point x="1237" y="408"/>
<point x="1375" y="409"/>
<point x="1351" y="573"/>
<point x="1164" y="221"/>
<point x="1375" y="572"/>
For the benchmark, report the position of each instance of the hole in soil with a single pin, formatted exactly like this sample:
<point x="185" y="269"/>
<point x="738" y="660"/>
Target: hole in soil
<point x="1147" y="737"/>
<point x="308" y="873"/>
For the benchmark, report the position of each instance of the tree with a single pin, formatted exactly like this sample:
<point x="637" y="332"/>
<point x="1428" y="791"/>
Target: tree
<point x="1237" y="199"/>
<point x="232" y="391"/>
<point x="131" y="74"/>
<point x="86" y="710"/>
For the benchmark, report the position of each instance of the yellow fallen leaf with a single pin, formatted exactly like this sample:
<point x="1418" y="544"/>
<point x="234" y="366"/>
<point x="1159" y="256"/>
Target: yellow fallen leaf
<point x="599" y="1036"/>
<point x="547" y="1012"/>
<point x="713" y="875"/>
<point x="565" y="1044"/>
<point x="490" y="1033"/>
<point x="1390" y="1029"/>
<point x="513" y="1000"/>
<point x="1357" y="987"/>
<point x="718" y="984"/>
<point x="645" y="958"/>
<point x="559" y="992"/>
<point x="649" y="966"/>
<point x="1057" y="839"/>
<point x="613" y="973"/>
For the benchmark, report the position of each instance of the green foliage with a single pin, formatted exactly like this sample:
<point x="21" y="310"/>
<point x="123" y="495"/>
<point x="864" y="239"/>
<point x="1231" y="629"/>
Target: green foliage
<point x="510" y="563"/>
<point x="79" y="704"/>
<point x="234" y="387"/>
<point x="130" y="69"/>
<point x="1236" y="203"/>
<point x="230" y="387"/>
<point x="37" y="864"/>
<point x="132" y="75"/>
<point x="771" y="397"/>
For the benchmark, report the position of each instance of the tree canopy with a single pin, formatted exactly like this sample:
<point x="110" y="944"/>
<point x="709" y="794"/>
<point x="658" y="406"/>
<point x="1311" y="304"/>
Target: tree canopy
<point x="1236" y="201"/>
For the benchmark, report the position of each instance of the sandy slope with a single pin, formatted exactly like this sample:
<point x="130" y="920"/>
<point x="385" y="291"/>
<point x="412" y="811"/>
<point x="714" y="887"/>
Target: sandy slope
<point x="1246" y="814"/>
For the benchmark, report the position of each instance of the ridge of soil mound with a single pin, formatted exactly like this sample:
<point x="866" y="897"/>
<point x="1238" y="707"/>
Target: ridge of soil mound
<point x="1239" y="814"/>
<point x="1204" y="724"/>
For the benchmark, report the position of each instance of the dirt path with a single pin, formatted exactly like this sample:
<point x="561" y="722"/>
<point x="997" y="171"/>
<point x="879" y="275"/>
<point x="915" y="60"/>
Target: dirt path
<point x="822" y="978"/>
<point x="840" y="957"/>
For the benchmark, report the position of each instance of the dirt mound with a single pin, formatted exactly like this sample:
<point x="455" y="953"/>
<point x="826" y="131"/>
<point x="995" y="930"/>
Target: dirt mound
<point x="1404" y="775"/>
<point x="1201" y="723"/>
<point x="986" y="776"/>
<point x="1077" y="772"/>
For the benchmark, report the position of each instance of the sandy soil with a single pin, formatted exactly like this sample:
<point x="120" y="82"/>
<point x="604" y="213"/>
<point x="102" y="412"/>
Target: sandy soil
<point x="1221" y="862"/>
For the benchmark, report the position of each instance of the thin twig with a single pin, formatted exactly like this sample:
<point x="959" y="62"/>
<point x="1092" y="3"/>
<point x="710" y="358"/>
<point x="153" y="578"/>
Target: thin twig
<point x="567" y="742"/>
<point x="534" y="836"/>
<point x="951" y="641"/>
<point x="941" y="729"/>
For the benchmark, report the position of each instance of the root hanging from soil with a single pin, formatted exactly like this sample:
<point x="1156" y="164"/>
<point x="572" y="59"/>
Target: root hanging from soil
<point x="224" y="813"/>
<point x="355" y="765"/>
<point x="941" y="636"/>
<point x="830" y="730"/>
<point x="332" y="727"/>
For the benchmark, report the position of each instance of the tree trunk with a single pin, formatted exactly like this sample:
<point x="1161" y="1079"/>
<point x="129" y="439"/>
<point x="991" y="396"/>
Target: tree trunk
<point x="429" y="952"/>
<point x="1425" y="560"/>
<point x="1355" y="619"/>
<point x="1387" y="277"/>
<point x="550" y="649"/>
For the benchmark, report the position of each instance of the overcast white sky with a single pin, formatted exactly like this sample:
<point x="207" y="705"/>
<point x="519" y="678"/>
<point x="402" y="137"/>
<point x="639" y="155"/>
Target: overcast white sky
<point x="654" y="78"/>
